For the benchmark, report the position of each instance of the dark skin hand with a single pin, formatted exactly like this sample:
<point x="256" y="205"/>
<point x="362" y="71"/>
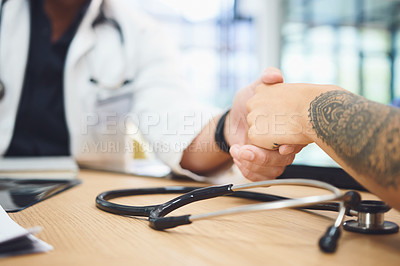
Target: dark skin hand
<point x="204" y="157"/>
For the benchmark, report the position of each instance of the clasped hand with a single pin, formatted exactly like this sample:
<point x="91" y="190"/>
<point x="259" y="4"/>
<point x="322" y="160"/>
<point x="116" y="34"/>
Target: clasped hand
<point x="254" y="162"/>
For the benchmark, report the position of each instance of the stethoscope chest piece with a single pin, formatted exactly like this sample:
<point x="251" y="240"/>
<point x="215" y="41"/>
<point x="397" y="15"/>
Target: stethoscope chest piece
<point x="2" y="90"/>
<point x="371" y="219"/>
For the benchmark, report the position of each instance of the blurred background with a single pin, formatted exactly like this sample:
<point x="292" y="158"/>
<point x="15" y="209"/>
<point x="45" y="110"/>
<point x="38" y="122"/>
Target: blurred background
<point x="227" y="43"/>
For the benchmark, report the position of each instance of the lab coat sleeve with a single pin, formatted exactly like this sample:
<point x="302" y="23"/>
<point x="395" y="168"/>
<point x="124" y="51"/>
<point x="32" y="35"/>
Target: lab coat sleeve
<point x="168" y="115"/>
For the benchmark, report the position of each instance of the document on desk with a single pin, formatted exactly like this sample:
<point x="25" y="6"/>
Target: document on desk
<point x="38" y="167"/>
<point x="15" y="240"/>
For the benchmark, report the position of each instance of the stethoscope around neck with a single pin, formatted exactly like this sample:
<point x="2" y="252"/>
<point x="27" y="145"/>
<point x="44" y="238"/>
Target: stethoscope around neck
<point x="370" y="214"/>
<point x="121" y="81"/>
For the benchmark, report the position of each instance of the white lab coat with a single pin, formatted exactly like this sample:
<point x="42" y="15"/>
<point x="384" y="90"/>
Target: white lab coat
<point x="161" y="107"/>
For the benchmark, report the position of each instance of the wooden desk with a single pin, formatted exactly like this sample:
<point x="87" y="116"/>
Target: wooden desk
<point x="83" y="235"/>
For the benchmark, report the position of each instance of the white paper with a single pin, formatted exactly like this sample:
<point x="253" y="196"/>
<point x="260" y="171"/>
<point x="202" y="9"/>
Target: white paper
<point x="13" y="233"/>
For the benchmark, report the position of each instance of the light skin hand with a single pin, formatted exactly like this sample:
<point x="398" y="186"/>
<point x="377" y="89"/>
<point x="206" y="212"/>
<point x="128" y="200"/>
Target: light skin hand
<point x="255" y="163"/>
<point x="362" y="136"/>
<point x="279" y="114"/>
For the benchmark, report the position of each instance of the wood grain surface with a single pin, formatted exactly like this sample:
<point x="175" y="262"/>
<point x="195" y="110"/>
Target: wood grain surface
<point x="84" y="235"/>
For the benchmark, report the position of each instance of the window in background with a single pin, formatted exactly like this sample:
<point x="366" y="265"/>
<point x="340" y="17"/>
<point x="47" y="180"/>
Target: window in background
<point x="351" y="43"/>
<point x="217" y="44"/>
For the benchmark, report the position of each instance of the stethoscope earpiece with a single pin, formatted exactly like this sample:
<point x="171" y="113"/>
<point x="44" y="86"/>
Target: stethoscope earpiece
<point x="370" y="219"/>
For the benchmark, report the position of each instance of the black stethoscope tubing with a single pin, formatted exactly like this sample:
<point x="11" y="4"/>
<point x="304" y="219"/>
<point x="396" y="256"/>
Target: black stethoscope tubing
<point x="156" y="213"/>
<point x="370" y="213"/>
<point x="103" y="203"/>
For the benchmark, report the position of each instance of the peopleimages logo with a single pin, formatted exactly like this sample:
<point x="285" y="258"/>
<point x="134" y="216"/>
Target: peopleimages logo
<point x="112" y="133"/>
<point x="280" y="124"/>
<point x="187" y="123"/>
<point x="119" y="147"/>
<point x="109" y="146"/>
<point x="110" y="123"/>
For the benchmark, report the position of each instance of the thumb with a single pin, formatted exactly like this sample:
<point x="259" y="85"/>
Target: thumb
<point x="272" y="75"/>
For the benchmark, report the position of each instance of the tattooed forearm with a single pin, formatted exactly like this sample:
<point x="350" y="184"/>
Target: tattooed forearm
<point x="366" y="135"/>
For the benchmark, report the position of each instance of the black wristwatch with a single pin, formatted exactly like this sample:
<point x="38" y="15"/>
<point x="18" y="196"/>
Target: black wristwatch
<point x="219" y="134"/>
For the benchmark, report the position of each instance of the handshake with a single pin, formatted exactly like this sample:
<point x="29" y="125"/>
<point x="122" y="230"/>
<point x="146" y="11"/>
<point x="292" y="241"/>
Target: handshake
<point x="267" y="126"/>
<point x="280" y="118"/>
<point x="271" y="121"/>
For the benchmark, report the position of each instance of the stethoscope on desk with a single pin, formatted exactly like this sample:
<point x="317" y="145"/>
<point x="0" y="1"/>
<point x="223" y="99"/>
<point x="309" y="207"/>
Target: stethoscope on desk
<point x="100" y="19"/>
<point x="370" y="213"/>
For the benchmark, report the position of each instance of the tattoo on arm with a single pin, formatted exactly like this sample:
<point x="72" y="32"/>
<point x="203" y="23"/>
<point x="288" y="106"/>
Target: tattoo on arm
<point x="365" y="134"/>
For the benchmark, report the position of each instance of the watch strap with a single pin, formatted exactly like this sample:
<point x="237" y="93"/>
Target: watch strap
<point x="219" y="134"/>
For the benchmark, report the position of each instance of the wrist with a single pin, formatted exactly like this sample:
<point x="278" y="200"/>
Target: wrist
<point x="232" y="127"/>
<point x="313" y="94"/>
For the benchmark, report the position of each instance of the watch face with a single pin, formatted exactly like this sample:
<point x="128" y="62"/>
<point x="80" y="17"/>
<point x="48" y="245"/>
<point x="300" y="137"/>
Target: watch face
<point x="2" y="90"/>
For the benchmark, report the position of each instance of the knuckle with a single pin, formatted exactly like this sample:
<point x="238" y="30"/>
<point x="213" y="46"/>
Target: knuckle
<point x="255" y="168"/>
<point x="245" y="164"/>
<point x="246" y="172"/>
<point x="265" y="160"/>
